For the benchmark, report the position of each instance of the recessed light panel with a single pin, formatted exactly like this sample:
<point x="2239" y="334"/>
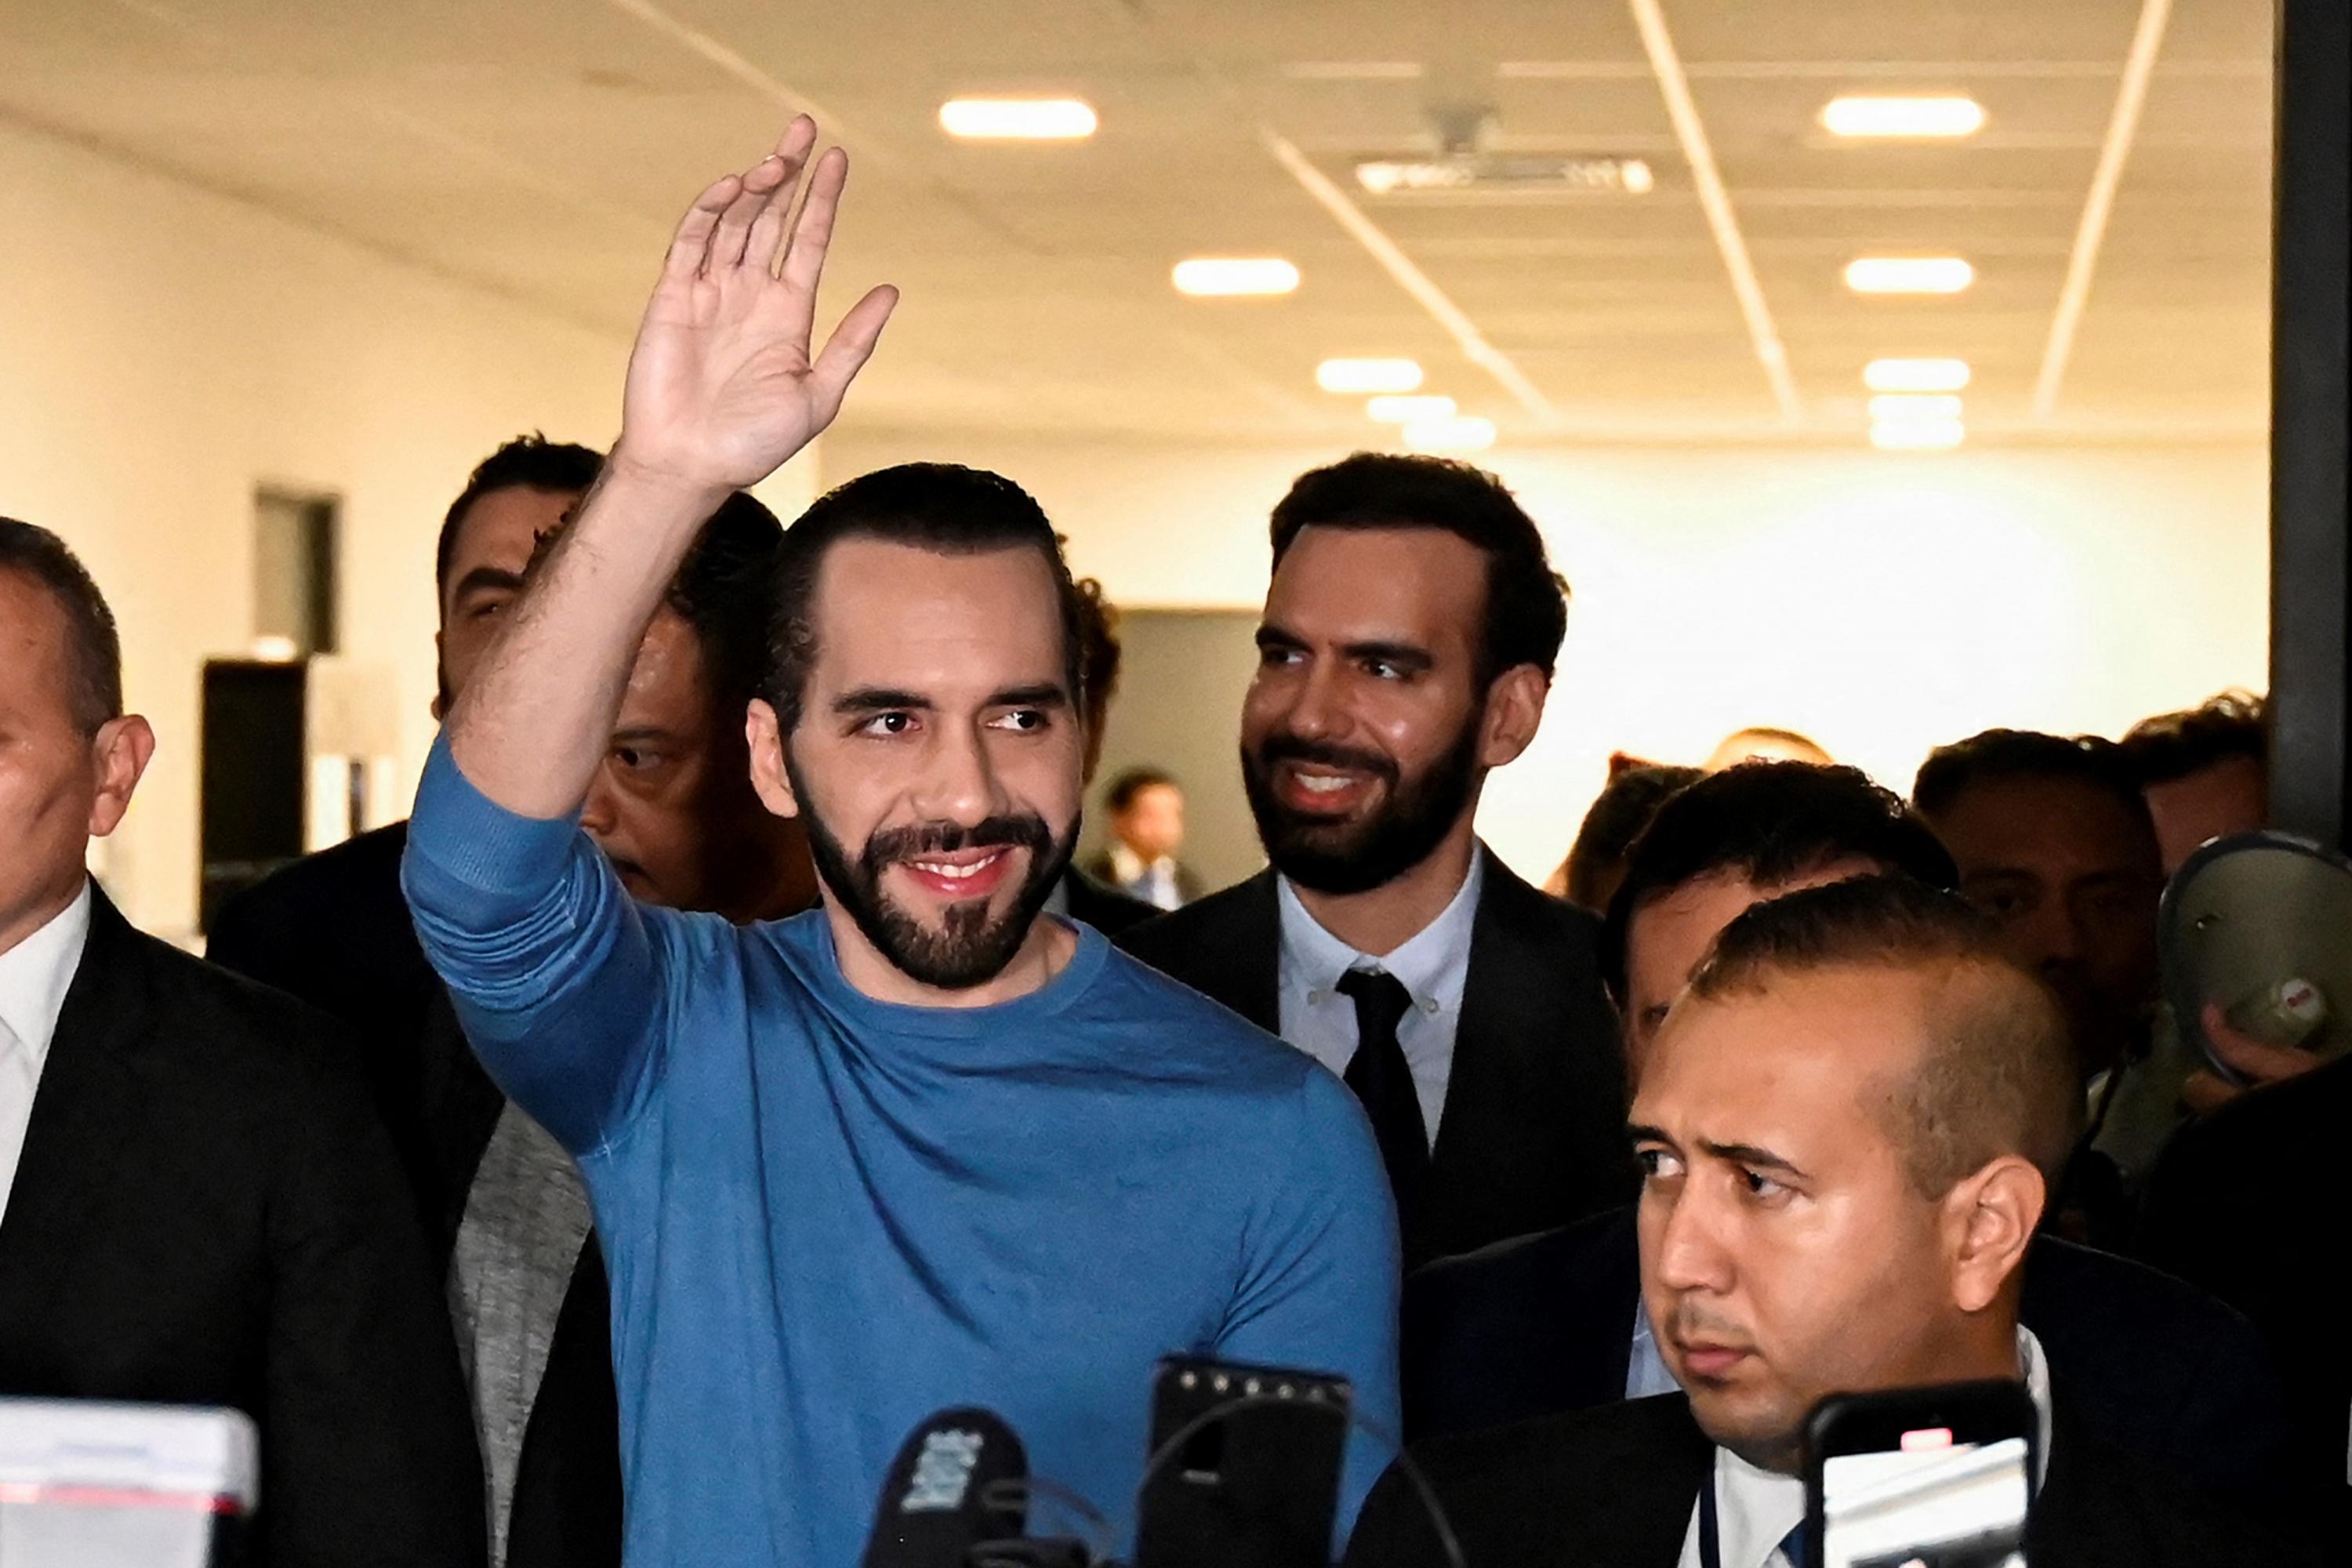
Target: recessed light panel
<point x="1875" y="115"/>
<point x="1230" y="277"/>
<point x="1908" y="275"/>
<point x="1888" y="407"/>
<point x="1018" y="118"/>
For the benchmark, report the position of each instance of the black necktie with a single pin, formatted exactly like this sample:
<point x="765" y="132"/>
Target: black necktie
<point x="1378" y="1074"/>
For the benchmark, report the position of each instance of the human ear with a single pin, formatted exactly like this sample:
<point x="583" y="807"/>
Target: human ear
<point x="119" y="752"/>
<point x="1514" y="705"/>
<point x="765" y="739"/>
<point x="1989" y="1220"/>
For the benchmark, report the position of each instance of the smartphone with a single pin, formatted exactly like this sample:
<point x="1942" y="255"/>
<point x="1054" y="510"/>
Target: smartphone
<point x="1247" y="1472"/>
<point x="1921" y="1477"/>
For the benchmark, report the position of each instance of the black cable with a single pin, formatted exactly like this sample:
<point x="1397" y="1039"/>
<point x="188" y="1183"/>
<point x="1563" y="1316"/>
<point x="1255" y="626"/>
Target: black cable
<point x="1406" y="1462"/>
<point x="1101" y="1540"/>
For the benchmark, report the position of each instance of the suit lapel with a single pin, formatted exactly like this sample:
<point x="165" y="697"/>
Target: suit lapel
<point x="1238" y="960"/>
<point x="90" y="1100"/>
<point x="1511" y="1018"/>
<point x="458" y="1109"/>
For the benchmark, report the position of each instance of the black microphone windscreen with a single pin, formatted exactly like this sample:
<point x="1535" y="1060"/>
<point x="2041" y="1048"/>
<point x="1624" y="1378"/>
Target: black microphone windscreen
<point x="938" y="1501"/>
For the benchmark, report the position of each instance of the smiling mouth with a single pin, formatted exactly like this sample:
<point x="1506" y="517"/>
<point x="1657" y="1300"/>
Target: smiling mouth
<point x="961" y="874"/>
<point x="1324" y="791"/>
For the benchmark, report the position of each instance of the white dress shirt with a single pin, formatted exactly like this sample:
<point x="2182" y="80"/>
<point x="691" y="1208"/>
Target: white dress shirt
<point x="1153" y="881"/>
<point x="34" y="977"/>
<point x="1755" y="1508"/>
<point x="1434" y="966"/>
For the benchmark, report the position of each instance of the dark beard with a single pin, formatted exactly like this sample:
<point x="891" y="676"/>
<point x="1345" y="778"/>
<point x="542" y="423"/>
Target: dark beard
<point x="1357" y="857"/>
<point x="970" y="949"/>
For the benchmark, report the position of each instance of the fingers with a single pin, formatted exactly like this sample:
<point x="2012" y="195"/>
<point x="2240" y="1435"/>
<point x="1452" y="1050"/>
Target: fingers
<point x="812" y="234"/>
<point x="2207" y="1091"/>
<point x="2257" y="1062"/>
<point x="766" y="186"/>
<point x="851" y="345"/>
<point x="767" y="236"/>
<point x="688" y="247"/>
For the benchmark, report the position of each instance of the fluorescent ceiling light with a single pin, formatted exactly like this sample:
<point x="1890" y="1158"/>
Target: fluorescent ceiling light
<point x="1458" y="434"/>
<point x="1908" y="275"/>
<point x="1018" y="118"/>
<point x="1362" y="375"/>
<point x="1410" y="410"/>
<point x="1917" y="435"/>
<point x="1888" y="408"/>
<point x="1946" y="115"/>
<point x="1216" y="277"/>
<point x="1915" y="374"/>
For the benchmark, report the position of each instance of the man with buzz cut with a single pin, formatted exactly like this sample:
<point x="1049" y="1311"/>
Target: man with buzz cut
<point x="1848" y="1123"/>
<point x="921" y="1147"/>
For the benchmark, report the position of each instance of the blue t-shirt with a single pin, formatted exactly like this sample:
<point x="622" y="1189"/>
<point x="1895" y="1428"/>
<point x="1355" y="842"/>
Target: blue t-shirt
<point x="826" y="1216"/>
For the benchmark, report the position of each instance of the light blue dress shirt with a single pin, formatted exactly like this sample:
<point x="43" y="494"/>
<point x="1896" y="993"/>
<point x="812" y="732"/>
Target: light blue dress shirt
<point x="1434" y="966"/>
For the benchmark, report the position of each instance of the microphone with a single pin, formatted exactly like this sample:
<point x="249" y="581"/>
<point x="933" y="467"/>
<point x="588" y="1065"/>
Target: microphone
<point x="940" y="1497"/>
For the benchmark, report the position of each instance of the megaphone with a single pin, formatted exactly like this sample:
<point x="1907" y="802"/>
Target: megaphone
<point x="2259" y="924"/>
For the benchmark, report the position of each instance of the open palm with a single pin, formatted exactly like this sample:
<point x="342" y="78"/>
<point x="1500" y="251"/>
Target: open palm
<point x="722" y="387"/>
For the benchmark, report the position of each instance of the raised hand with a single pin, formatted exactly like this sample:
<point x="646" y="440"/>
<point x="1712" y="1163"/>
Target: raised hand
<point x="722" y="388"/>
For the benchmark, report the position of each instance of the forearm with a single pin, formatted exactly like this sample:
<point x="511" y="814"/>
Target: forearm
<point x="534" y="721"/>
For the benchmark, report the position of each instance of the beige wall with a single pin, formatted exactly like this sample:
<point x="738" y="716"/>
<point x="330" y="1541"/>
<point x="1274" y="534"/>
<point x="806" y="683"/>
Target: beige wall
<point x="165" y="350"/>
<point x="1881" y="603"/>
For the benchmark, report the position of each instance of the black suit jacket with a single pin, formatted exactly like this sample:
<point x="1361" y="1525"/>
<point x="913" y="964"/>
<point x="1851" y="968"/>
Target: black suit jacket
<point x="1614" y="1486"/>
<point x="1543" y="1324"/>
<point x="1533" y="1133"/>
<point x="2254" y="1204"/>
<point x="1102" y="906"/>
<point x="335" y="929"/>
<point x="206" y="1212"/>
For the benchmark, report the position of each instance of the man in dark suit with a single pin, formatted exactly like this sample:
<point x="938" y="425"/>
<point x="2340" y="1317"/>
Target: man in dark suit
<point x="1146" y="832"/>
<point x="200" y="1205"/>
<point x="1407" y="647"/>
<point x="1849" y="1124"/>
<point x="1553" y="1321"/>
<point x="1082" y="895"/>
<point x="2250" y="1203"/>
<point x="673" y="809"/>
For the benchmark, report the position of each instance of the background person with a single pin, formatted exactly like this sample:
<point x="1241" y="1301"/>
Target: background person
<point x="1408" y="643"/>
<point x="200" y="1206"/>
<point x="1849" y="1124"/>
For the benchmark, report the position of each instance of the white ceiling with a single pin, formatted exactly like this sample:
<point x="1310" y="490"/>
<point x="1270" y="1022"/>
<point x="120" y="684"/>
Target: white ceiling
<point x="542" y="147"/>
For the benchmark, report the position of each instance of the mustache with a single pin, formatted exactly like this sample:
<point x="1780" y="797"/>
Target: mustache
<point x="1287" y="748"/>
<point x="889" y="846"/>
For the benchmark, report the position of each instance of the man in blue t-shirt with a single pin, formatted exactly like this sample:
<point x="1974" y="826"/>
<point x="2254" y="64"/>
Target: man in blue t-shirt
<point x="921" y="1148"/>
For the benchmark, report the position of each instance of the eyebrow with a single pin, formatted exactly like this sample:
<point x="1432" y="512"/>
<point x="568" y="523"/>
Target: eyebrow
<point x="1398" y="653"/>
<point x="1736" y="1153"/>
<point x="482" y="578"/>
<point x="880" y="699"/>
<point x="1044" y="694"/>
<point x="1749" y="1154"/>
<point x="1409" y="655"/>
